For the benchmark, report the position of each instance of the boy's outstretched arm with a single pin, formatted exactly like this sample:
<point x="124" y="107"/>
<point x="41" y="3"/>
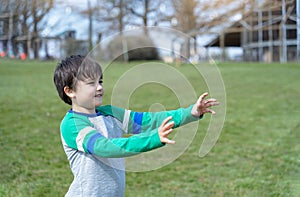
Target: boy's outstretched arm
<point x="138" y="122"/>
<point x="199" y="109"/>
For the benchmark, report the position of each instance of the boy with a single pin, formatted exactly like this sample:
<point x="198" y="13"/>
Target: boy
<point x="92" y="134"/>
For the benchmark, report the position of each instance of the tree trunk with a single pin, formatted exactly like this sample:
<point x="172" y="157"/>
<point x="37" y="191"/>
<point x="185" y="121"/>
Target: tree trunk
<point x="90" y="26"/>
<point x="145" y="18"/>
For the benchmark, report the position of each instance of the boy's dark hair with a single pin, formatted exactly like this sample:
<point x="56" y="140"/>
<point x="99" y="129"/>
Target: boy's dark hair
<point x="72" y="69"/>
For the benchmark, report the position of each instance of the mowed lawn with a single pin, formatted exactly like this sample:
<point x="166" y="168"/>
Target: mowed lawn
<point x="257" y="153"/>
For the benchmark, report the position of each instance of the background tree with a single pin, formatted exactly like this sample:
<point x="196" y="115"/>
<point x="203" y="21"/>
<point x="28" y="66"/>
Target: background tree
<point x="113" y="14"/>
<point x="27" y="20"/>
<point x="145" y="12"/>
<point x="9" y="25"/>
<point x="193" y="17"/>
<point x="24" y="12"/>
<point x="38" y="10"/>
<point x="90" y="12"/>
<point x="110" y="14"/>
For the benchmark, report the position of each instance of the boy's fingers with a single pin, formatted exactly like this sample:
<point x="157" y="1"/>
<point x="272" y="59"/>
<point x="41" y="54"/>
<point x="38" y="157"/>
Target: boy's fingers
<point x="169" y="125"/>
<point x="210" y="111"/>
<point x="167" y="141"/>
<point x="166" y="120"/>
<point x="167" y="132"/>
<point x="201" y="98"/>
<point x="212" y="103"/>
<point x="210" y="100"/>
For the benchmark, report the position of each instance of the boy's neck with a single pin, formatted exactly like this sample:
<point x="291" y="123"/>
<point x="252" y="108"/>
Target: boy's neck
<point x="83" y="110"/>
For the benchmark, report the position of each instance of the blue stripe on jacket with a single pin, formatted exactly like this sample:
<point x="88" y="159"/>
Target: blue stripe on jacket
<point x="91" y="142"/>
<point x="138" y="118"/>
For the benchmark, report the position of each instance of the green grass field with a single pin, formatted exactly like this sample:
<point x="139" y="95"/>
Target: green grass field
<point x="257" y="153"/>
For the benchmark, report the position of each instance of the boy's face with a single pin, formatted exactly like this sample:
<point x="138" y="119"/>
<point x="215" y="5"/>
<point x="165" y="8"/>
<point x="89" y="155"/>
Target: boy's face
<point x="88" y="95"/>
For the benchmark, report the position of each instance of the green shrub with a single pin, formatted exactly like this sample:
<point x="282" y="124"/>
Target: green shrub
<point x="130" y="48"/>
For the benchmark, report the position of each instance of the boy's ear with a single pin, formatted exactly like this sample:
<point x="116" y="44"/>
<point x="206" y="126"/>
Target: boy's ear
<point x="69" y="92"/>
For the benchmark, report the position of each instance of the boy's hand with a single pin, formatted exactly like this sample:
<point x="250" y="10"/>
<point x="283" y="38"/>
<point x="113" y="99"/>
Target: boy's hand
<point x="202" y="106"/>
<point x="165" y="129"/>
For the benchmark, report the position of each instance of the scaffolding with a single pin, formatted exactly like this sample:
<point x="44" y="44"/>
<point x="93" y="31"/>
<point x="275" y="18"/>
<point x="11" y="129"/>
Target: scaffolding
<point x="269" y="32"/>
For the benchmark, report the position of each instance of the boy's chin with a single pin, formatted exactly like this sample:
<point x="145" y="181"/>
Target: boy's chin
<point x="98" y="104"/>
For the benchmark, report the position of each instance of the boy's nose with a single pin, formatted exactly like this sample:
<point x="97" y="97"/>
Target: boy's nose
<point x="99" y="87"/>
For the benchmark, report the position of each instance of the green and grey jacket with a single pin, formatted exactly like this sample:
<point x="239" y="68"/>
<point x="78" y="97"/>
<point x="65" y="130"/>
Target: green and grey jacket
<point x="95" y="145"/>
